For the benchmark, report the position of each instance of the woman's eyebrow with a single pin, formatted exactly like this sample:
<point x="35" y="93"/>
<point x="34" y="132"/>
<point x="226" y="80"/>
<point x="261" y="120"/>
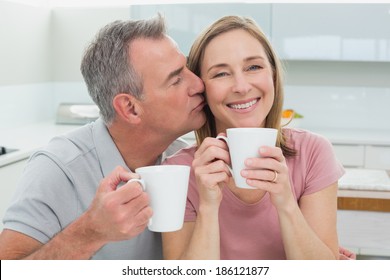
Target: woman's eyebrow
<point x="254" y="57"/>
<point x="219" y="65"/>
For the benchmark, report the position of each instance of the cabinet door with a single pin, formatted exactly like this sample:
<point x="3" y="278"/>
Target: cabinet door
<point x="186" y="21"/>
<point x="350" y="155"/>
<point x="348" y="32"/>
<point x="378" y="157"/>
<point x="365" y="232"/>
<point x="9" y="175"/>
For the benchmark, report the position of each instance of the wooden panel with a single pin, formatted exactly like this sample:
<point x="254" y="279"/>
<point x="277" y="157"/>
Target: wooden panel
<point x="367" y="204"/>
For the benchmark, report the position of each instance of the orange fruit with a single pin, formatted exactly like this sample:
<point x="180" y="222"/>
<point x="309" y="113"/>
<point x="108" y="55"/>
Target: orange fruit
<point x="288" y="113"/>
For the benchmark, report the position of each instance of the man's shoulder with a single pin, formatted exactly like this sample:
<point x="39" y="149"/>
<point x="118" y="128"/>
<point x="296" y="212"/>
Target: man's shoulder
<point x="70" y="145"/>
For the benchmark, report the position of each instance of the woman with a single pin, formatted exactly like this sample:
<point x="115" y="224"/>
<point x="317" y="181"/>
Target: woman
<point x="291" y="214"/>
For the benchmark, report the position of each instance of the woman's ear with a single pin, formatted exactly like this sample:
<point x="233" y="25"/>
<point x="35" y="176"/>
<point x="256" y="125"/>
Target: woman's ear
<point x="127" y="107"/>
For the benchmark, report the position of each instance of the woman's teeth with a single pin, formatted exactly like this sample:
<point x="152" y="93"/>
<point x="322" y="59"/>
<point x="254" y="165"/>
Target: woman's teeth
<point x="243" y="106"/>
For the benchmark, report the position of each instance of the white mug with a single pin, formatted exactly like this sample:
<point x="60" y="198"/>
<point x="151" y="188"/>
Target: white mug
<point x="244" y="143"/>
<point x="167" y="187"/>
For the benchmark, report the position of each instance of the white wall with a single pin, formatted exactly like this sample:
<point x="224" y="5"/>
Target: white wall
<point x="25" y="44"/>
<point x="25" y="69"/>
<point x="340" y="107"/>
<point x="40" y="54"/>
<point x="71" y="31"/>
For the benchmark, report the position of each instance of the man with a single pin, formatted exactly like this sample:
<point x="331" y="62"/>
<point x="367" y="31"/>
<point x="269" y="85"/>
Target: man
<point x="73" y="201"/>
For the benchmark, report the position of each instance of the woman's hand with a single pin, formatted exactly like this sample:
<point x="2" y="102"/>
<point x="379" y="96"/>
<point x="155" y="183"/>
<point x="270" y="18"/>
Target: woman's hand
<point x="210" y="167"/>
<point x="270" y="173"/>
<point x="345" y="254"/>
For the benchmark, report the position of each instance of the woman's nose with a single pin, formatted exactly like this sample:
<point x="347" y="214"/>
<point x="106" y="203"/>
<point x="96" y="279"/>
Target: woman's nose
<point x="241" y="84"/>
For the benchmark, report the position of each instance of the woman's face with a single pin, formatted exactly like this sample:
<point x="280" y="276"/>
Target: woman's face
<point x="238" y="80"/>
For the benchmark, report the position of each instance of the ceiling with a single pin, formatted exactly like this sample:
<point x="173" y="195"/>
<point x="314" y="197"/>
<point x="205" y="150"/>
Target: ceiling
<point x="97" y="3"/>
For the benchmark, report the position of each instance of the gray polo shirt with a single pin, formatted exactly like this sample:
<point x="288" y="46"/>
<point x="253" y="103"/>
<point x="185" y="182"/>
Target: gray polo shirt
<point x="60" y="182"/>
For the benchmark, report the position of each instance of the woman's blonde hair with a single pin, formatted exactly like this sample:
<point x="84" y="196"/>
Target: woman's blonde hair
<point x="195" y="58"/>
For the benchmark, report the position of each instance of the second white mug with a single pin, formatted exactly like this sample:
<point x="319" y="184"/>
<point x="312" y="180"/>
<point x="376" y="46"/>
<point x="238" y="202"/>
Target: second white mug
<point x="167" y="187"/>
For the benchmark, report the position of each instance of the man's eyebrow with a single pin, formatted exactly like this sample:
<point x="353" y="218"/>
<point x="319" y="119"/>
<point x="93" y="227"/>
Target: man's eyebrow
<point x="174" y="73"/>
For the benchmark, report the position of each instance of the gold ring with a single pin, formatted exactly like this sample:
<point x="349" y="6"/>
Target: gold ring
<point x="275" y="177"/>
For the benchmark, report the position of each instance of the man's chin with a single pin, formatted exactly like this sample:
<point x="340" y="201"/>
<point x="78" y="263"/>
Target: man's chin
<point x="202" y="121"/>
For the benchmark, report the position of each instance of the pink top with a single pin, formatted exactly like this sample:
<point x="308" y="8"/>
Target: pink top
<point x="252" y="231"/>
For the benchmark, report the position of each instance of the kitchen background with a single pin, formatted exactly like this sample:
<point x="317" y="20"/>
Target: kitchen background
<point x="336" y="56"/>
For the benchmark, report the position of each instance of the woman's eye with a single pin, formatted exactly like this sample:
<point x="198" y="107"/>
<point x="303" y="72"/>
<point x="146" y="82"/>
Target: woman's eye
<point x="254" y="67"/>
<point x="221" y="74"/>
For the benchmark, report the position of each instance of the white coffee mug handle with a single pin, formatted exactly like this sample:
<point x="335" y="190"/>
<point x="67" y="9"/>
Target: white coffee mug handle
<point x="142" y="183"/>
<point x="224" y="138"/>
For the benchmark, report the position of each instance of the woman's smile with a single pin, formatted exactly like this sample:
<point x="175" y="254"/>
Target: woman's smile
<point x="244" y="106"/>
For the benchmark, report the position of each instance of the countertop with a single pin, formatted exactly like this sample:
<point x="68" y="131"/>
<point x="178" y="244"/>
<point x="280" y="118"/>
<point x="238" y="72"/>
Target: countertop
<point x="365" y="179"/>
<point x="28" y="139"/>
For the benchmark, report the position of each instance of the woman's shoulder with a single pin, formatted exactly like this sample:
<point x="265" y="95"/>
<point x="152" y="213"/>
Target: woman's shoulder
<point x="183" y="156"/>
<point x="315" y="165"/>
<point x="296" y="137"/>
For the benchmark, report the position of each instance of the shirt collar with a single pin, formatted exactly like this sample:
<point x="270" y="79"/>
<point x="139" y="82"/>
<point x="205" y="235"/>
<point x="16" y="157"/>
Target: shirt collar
<point x="108" y="154"/>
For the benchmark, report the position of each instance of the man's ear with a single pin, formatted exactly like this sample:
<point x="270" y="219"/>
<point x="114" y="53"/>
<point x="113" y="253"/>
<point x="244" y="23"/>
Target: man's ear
<point x="127" y="107"/>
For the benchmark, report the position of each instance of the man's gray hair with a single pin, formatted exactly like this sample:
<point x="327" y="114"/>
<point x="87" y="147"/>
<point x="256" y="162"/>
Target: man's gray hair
<point x="106" y="65"/>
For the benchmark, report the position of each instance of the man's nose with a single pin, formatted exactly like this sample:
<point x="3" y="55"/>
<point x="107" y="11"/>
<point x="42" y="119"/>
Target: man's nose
<point x="197" y="84"/>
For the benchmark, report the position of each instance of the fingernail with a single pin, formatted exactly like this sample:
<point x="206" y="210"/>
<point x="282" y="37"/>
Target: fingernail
<point x="244" y="173"/>
<point x="248" y="162"/>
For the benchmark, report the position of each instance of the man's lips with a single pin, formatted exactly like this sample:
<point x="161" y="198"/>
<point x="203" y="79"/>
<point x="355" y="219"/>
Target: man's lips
<point x="199" y="106"/>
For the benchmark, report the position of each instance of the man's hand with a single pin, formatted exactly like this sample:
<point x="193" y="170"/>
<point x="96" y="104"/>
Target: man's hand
<point x="118" y="213"/>
<point x="114" y="214"/>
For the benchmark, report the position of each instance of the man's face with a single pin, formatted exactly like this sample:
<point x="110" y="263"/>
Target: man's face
<point x="173" y="101"/>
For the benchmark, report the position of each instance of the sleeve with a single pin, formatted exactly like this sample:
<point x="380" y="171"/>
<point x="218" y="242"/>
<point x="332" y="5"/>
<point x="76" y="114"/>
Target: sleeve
<point x="186" y="157"/>
<point x="323" y="167"/>
<point x="41" y="200"/>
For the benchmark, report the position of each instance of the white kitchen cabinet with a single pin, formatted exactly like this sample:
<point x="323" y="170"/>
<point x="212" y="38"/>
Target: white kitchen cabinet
<point x="186" y="21"/>
<point x="365" y="232"/>
<point x="9" y="175"/>
<point x="350" y="155"/>
<point x="377" y="157"/>
<point x="363" y="156"/>
<point x="345" y="32"/>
